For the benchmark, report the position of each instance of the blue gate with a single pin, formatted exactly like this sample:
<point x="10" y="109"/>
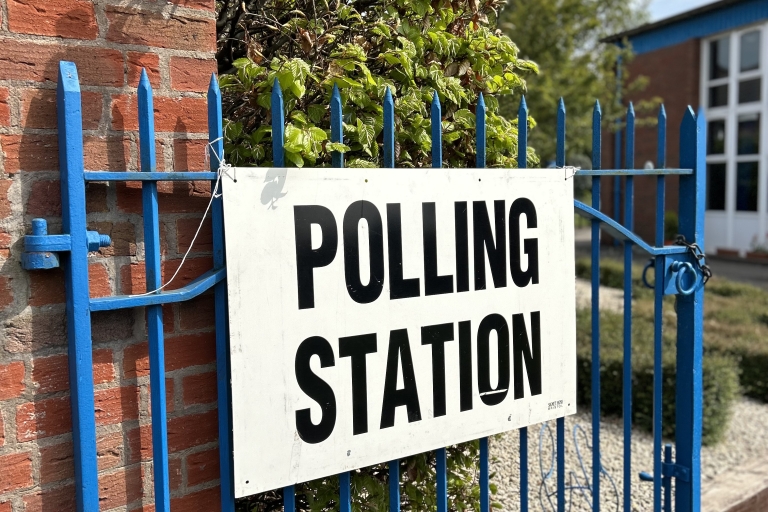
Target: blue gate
<point x="680" y="271"/>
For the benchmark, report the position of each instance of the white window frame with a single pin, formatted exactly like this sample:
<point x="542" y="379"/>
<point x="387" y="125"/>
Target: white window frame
<point x="730" y="113"/>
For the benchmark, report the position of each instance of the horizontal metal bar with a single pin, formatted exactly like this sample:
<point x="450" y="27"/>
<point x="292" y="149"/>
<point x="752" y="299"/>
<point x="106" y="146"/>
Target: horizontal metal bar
<point x="47" y="243"/>
<point x="149" y="176"/>
<point x="619" y="232"/>
<point x="631" y="172"/>
<point x="192" y="290"/>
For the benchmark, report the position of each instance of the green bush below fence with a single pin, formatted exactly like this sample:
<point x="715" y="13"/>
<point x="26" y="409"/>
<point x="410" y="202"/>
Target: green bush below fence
<point x="720" y="376"/>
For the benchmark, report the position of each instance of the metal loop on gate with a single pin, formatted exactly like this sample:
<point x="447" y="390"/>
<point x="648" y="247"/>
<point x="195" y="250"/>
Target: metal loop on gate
<point x="651" y="264"/>
<point x="700" y="258"/>
<point x="681" y="267"/>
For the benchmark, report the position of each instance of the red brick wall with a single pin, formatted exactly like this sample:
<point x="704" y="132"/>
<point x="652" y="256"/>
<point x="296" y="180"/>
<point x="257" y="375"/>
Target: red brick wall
<point x="110" y="42"/>
<point x="674" y="77"/>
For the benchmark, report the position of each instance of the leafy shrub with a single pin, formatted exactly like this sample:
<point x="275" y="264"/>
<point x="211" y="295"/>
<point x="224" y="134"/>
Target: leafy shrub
<point x="720" y="376"/>
<point x="412" y="47"/>
<point x="671" y="225"/>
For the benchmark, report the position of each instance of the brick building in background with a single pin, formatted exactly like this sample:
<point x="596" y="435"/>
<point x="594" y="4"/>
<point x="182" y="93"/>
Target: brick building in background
<point x="110" y="41"/>
<point x="715" y="57"/>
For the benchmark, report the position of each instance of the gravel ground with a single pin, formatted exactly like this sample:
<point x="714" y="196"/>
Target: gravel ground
<point x="746" y="440"/>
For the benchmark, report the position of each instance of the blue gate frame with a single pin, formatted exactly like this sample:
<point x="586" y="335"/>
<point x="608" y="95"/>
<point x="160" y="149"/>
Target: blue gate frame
<point x="681" y="274"/>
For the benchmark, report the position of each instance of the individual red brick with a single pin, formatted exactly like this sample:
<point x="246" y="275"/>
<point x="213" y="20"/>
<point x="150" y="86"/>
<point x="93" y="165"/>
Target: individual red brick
<point x="199" y="389"/>
<point x="185" y="233"/>
<point x="98" y="280"/>
<point x="192" y="269"/>
<point x="133" y="278"/>
<point x="139" y="442"/>
<point x="96" y="197"/>
<point x="190" y="155"/>
<point x="208" y="499"/>
<point x="169" y="318"/>
<point x="39" y="61"/>
<point x="44" y="198"/>
<point x="50" y="500"/>
<point x="169" y="396"/>
<point x="56" y="463"/>
<point x="5" y="203"/>
<point x="115" y="405"/>
<point x="44" y="418"/>
<point x="51" y="374"/>
<point x="185" y="198"/>
<point x="17" y="471"/>
<point x="109" y="450"/>
<point x="46" y="287"/>
<point x="189" y="74"/>
<point x="198" y="313"/>
<point x="195" y="4"/>
<point x="6" y="292"/>
<point x="5" y="111"/>
<point x="180" y="115"/>
<point x="29" y="152"/>
<point x="135" y="361"/>
<point x="5" y="506"/>
<point x="108" y="326"/>
<point x="135" y="26"/>
<point x="194" y="430"/>
<point x="11" y="380"/>
<point x="190" y="350"/>
<point x="121" y="487"/>
<point x="147" y="61"/>
<point x="202" y="467"/>
<point x="107" y="153"/>
<point x="30" y="332"/>
<point x="64" y="18"/>
<point x="38" y="109"/>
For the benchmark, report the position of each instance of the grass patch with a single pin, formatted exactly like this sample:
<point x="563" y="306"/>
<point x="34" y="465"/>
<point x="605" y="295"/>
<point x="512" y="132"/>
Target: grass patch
<point x="735" y="350"/>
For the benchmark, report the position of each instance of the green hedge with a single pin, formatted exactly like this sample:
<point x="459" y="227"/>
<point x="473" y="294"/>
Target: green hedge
<point x="720" y="376"/>
<point x="735" y="320"/>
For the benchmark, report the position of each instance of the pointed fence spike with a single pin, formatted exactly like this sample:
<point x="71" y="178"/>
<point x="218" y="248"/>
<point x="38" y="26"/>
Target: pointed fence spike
<point x="629" y="151"/>
<point x="337" y="127"/>
<point x="437" y="132"/>
<point x="631" y="109"/>
<point x="480" y="132"/>
<point x="661" y="144"/>
<point x="389" y="129"/>
<point x="597" y="118"/>
<point x="522" y="134"/>
<point x="146" y="124"/>
<point x="215" y="128"/>
<point x="560" y="154"/>
<point x="278" y="125"/>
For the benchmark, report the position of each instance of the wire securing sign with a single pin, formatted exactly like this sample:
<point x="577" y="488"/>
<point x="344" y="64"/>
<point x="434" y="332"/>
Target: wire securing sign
<point x="379" y="313"/>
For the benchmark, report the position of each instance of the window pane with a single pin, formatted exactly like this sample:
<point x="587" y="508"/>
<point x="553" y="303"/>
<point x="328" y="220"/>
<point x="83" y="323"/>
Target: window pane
<point x="716" y="138"/>
<point x="746" y="187"/>
<point x="749" y="90"/>
<point x="718" y="57"/>
<point x="718" y="96"/>
<point x="716" y="187"/>
<point x="749" y="134"/>
<point x="750" y="50"/>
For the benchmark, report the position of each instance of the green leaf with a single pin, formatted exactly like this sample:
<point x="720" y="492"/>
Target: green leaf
<point x="316" y="112"/>
<point x="294" y="158"/>
<point x="337" y="146"/>
<point x="365" y="133"/>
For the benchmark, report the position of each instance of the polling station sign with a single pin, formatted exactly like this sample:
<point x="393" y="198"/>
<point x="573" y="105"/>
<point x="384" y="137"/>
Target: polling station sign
<point x="380" y="313"/>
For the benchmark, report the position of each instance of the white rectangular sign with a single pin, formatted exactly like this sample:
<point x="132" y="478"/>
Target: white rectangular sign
<point x="380" y="313"/>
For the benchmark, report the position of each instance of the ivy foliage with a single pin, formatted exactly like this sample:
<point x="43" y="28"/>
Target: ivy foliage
<point x="413" y="47"/>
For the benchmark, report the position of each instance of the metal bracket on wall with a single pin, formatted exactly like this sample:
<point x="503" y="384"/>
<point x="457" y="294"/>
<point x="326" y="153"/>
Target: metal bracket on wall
<point x="41" y="249"/>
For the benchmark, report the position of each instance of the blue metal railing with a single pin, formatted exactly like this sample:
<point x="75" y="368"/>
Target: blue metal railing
<point x="42" y="251"/>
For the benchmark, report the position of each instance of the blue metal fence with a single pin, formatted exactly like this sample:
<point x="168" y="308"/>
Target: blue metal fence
<point x="677" y="267"/>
